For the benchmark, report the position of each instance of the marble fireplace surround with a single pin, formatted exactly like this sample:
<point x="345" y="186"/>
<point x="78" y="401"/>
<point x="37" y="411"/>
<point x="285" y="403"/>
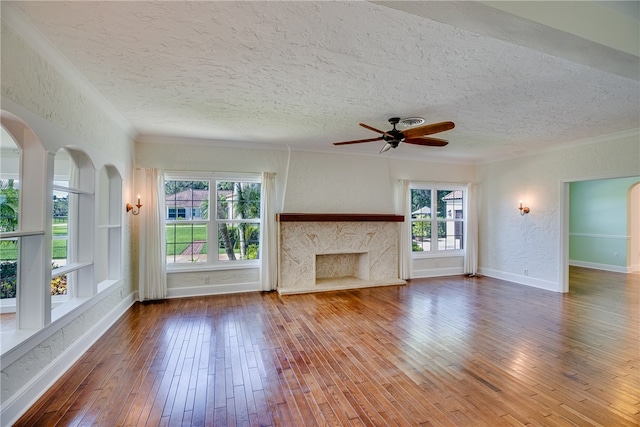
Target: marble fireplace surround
<point x="323" y="252"/>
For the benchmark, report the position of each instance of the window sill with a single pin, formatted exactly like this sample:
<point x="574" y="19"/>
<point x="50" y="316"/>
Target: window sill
<point x="106" y="284"/>
<point x="7" y="305"/>
<point x="439" y="254"/>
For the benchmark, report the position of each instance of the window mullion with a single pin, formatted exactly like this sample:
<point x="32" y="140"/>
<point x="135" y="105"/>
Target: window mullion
<point x="213" y="239"/>
<point x="434" y="220"/>
<point x="33" y="299"/>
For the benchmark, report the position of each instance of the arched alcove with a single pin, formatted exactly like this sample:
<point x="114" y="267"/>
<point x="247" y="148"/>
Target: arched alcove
<point x="73" y="189"/>
<point x="32" y="167"/>
<point x="109" y="215"/>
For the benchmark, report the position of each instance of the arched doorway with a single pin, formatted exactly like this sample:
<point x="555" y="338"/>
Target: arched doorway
<point x="633" y="227"/>
<point x="615" y="205"/>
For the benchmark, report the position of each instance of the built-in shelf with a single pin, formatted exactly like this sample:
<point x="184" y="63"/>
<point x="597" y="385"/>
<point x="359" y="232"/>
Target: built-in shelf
<point x="336" y="217"/>
<point x="68" y="268"/>
<point x="22" y="233"/>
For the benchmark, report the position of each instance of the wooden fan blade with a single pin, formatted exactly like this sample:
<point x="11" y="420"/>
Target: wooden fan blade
<point x="370" y="128"/>
<point x="431" y="142"/>
<point x="358" y="141"/>
<point x="427" y="129"/>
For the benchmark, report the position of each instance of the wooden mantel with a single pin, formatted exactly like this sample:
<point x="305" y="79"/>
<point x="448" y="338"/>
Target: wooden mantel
<point x="335" y="217"/>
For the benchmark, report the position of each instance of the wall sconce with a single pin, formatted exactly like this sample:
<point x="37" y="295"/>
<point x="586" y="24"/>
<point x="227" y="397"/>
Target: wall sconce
<point x="130" y="208"/>
<point x="523" y="209"/>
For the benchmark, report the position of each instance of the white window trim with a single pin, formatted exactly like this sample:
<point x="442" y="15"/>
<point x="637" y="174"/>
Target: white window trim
<point x="442" y="186"/>
<point x="212" y="264"/>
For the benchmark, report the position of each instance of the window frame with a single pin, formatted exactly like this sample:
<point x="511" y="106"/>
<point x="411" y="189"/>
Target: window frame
<point x="435" y="251"/>
<point x="212" y="262"/>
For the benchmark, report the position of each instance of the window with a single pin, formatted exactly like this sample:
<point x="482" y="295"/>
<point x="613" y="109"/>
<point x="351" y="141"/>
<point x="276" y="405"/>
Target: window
<point x="60" y="239"/>
<point x="9" y="224"/>
<point x="212" y="220"/>
<point x="437" y="220"/>
<point x="64" y="199"/>
<point x="187" y="236"/>
<point x="238" y="220"/>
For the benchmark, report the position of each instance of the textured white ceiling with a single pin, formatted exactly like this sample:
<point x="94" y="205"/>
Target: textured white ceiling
<point x="304" y="74"/>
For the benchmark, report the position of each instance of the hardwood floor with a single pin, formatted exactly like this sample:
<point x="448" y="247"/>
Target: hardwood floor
<point x="448" y="351"/>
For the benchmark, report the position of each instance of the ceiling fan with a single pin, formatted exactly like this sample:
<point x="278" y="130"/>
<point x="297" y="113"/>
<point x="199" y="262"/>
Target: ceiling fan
<point x="416" y="135"/>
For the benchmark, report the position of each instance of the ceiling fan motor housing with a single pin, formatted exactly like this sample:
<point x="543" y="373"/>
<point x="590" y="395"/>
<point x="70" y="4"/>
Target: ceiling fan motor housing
<point x="394" y="136"/>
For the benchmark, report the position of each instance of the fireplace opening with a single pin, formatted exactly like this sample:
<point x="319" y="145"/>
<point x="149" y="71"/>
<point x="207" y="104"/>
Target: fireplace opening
<point x="340" y="266"/>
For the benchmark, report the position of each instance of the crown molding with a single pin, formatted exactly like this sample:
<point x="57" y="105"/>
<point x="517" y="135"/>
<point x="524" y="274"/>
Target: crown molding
<point x="15" y="19"/>
<point x="629" y="133"/>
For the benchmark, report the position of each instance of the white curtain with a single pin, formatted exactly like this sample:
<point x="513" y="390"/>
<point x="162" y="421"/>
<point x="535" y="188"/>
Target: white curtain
<point x="152" y="277"/>
<point x="268" y="234"/>
<point x="471" y="236"/>
<point x="405" y="230"/>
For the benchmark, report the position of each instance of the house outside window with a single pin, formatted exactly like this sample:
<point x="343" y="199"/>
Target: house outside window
<point x="212" y="220"/>
<point x="437" y="220"/>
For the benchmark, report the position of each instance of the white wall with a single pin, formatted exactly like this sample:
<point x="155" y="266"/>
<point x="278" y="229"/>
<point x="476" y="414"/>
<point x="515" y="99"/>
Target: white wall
<point x="332" y="183"/>
<point x="599" y="233"/>
<point x="509" y="243"/>
<point x="174" y="154"/>
<point x="306" y="182"/>
<point x="39" y="94"/>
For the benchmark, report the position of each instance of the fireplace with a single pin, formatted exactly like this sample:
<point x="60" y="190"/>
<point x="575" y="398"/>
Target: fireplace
<point x="321" y="252"/>
<point x="342" y="266"/>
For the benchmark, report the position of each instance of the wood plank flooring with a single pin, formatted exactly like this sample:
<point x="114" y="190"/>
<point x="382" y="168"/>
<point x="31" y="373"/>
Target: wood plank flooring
<point x="451" y="351"/>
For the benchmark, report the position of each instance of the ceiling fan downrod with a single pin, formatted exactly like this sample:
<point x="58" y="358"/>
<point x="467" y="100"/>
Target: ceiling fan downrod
<point x="394" y="136"/>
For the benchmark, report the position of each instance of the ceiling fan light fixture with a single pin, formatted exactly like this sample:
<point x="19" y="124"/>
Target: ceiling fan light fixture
<point x="386" y="147"/>
<point x="411" y="121"/>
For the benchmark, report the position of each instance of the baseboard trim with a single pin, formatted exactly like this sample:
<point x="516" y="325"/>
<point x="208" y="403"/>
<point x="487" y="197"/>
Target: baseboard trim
<point x="204" y="290"/>
<point x="597" y="266"/>
<point x="521" y="280"/>
<point x="21" y="401"/>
